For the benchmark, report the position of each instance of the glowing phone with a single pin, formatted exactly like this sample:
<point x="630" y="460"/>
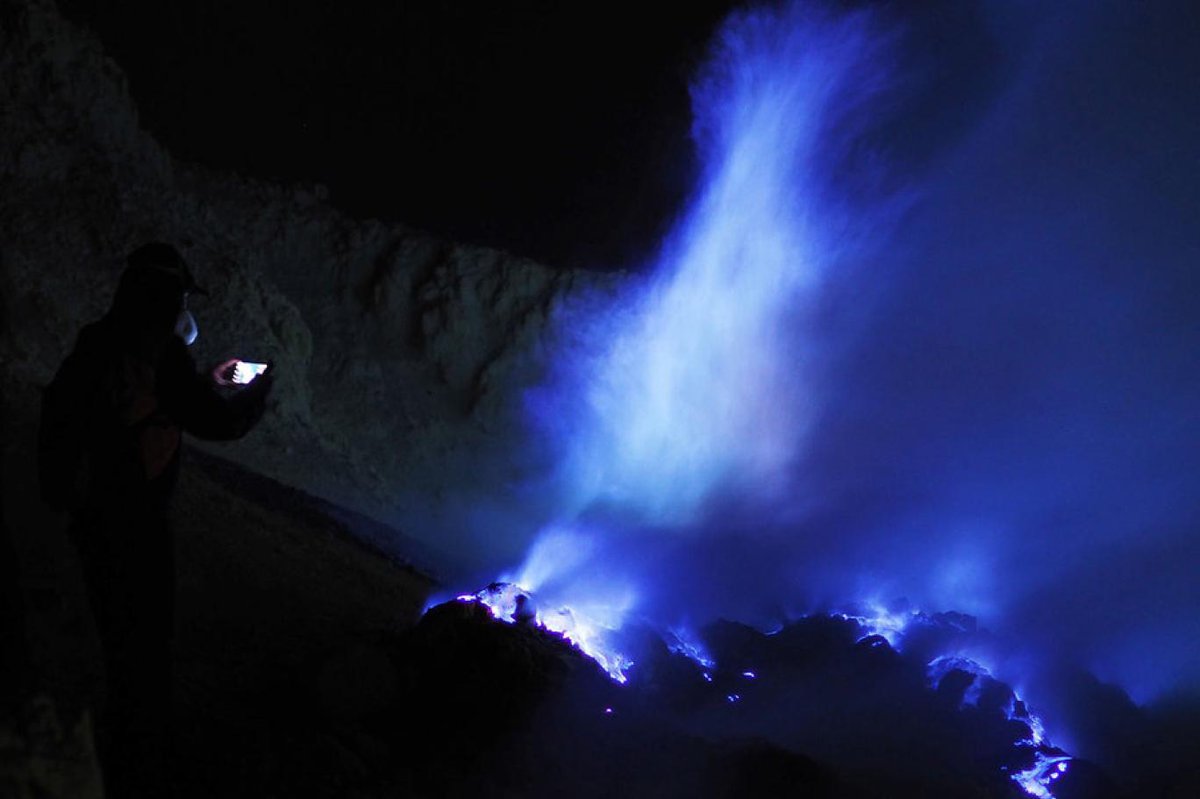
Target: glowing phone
<point x="245" y="371"/>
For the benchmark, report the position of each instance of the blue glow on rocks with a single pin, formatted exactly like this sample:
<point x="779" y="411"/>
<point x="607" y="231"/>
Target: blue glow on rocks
<point x="1038" y="778"/>
<point x="682" y="641"/>
<point x="589" y="627"/>
<point x="1048" y="761"/>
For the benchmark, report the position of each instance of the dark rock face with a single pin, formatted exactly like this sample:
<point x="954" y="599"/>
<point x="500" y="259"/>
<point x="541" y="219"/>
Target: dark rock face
<point x="819" y="708"/>
<point x="399" y="356"/>
<point x="512" y="710"/>
<point x="512" y="705"/>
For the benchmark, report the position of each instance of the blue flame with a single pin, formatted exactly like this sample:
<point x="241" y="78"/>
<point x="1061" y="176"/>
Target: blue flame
<point x="995" y="429"/>
<point x="702" y="383"/>
<point x="682" y="641"/>
<point x="1048" y="763"/>
<point x="588" y="625"/>
<point x="877" y="619"/>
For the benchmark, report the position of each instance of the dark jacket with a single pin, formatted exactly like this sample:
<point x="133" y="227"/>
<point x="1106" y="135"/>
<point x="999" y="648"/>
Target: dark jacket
<point x="112" y="420"/>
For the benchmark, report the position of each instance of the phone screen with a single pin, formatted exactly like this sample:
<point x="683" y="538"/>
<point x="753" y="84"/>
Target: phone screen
<point x="245" y="371"/>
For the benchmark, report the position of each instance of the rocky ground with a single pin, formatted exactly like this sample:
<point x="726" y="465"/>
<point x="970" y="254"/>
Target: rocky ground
<point x="281" y="620"/>
<point x="306" y="668"/>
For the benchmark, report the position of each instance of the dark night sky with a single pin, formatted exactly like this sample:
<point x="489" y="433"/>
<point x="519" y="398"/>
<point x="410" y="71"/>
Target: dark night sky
<point x="550" y="129"/>
<point x="554" y="130"/>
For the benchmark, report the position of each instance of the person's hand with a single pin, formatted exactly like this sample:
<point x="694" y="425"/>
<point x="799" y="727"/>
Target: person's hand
<point x="222" y="373"/>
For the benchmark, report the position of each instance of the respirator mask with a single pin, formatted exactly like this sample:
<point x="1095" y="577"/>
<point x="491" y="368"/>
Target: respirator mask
<point x="185" y="325"/>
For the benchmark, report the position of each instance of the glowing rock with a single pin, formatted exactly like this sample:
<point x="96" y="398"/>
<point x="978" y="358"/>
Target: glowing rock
<point x="684" y="643"/>
<point x="1036" y="779"/>
<point x="512" y="604"/>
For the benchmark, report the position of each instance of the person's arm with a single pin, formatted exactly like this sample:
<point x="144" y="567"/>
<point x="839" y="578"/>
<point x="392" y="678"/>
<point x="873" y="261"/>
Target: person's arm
<point x="191" y="399"/>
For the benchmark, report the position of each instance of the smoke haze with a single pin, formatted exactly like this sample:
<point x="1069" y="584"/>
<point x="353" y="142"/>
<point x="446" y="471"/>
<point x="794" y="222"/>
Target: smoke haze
<point x="919" y="334"/>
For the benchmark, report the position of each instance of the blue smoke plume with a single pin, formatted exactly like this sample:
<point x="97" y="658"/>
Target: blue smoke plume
<point x="705" y="381"/>
<point x="900" y="349"/>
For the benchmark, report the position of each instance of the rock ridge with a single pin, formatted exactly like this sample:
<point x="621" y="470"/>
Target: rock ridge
<point x="401" y="357"/>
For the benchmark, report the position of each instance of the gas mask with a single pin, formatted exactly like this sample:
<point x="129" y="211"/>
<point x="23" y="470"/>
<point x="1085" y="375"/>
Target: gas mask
<point x="185" y="325"/>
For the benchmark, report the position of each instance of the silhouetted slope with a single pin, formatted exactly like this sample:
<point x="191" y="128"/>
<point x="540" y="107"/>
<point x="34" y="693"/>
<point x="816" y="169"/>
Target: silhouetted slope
<point x="400" y="357"/>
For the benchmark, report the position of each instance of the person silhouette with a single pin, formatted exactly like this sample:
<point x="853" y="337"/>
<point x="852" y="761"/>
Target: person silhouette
<point x="108" y="454"/>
